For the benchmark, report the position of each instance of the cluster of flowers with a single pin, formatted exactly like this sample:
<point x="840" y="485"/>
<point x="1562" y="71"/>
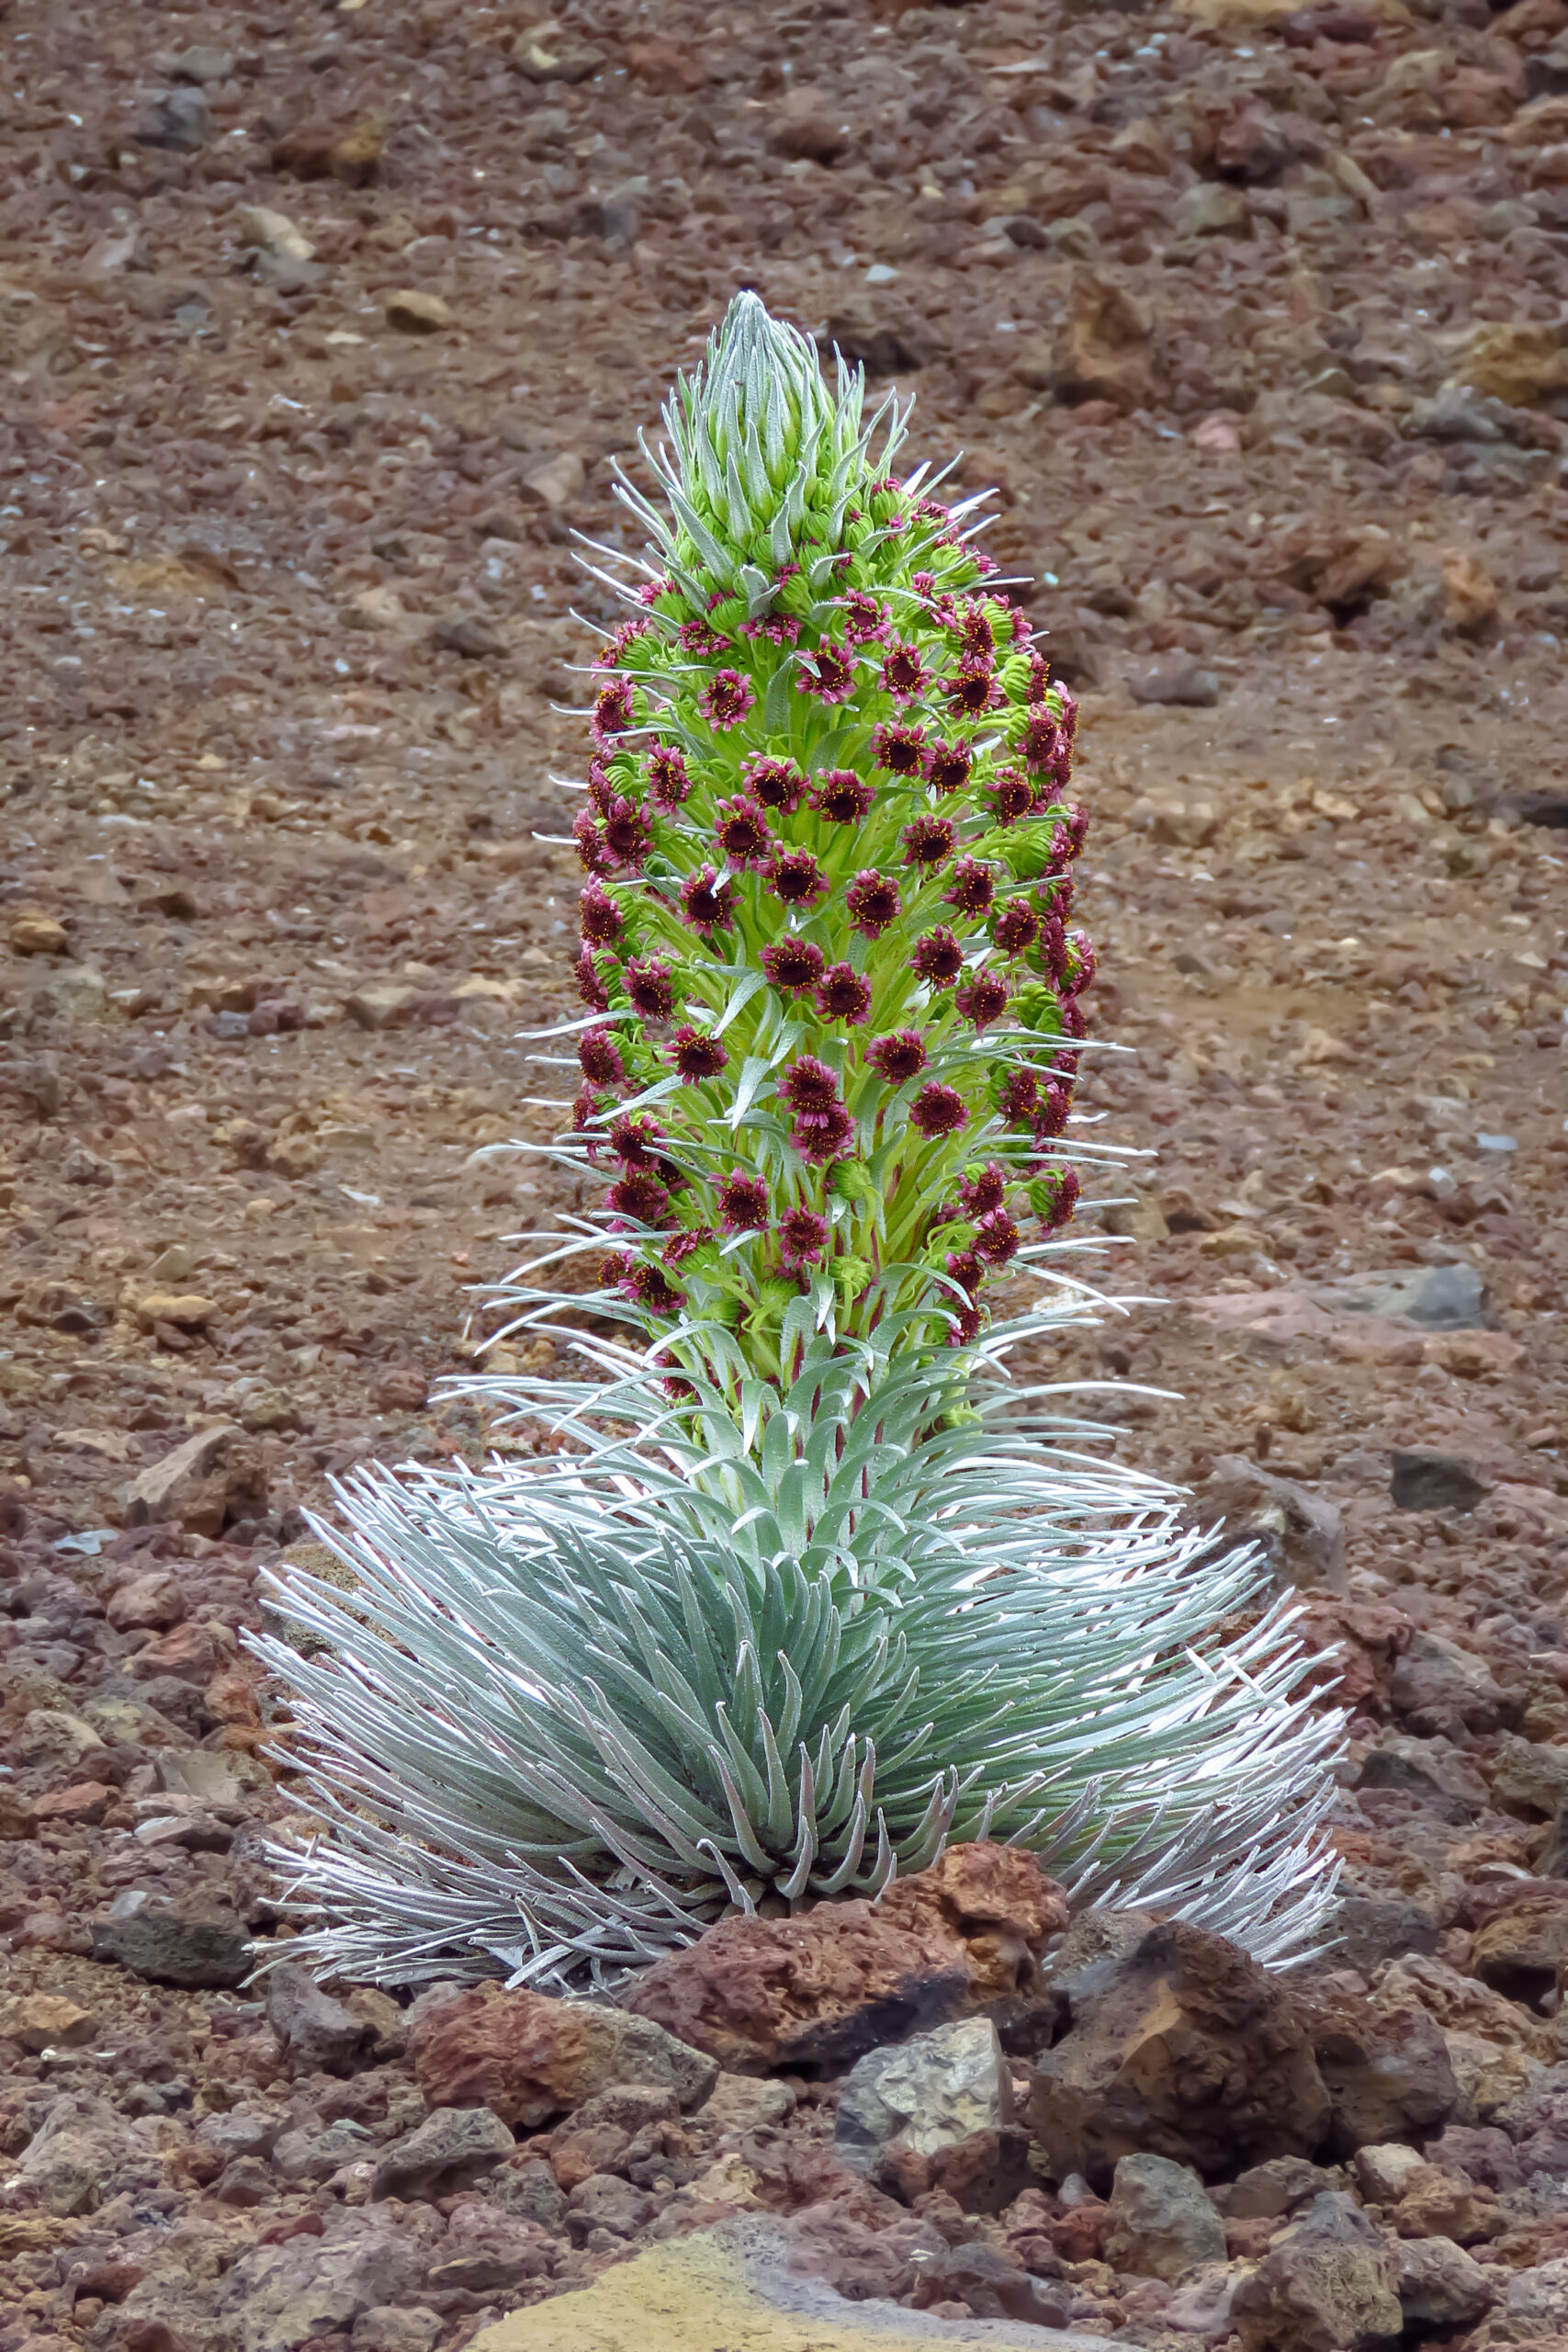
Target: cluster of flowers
<point x="829" y="846"/>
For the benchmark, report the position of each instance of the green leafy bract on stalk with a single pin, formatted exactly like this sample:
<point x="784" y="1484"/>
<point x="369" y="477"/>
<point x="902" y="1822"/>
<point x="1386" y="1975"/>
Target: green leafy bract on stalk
<point x="809" y="1589"/>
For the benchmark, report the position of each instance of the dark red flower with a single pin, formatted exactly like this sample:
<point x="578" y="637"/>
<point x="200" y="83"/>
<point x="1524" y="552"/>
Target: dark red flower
<point x="1051" y="1109"/>
<point x="1020" y="1097"/>
<point x="777" y="784"/>
<point x="797" y="878"/>
<point x="821" y="1136"/>
<point x="1011" y="796"/>
<point x="701" y="637"/>
<point x="1015" y="927"/>
<point x="843" y="996"/>
<point x="725" y="699"/>
<point x="965" y="1326"/>
<point x="1070" y="713"/>
<point x="802" y="1237"/>
<point x="600" y="919"/>
<point x="668" y="782"/>
<point x="590" y="987"/>
<point x="599" y="1058"/>
<point x="1073" y="1024"/>
<point x="655" y="1293"/>
<point x="1041" y="743"/>
<point x="873" y="902"/>
<point x="627" y="837"/>
<point x="1081" y="962"/>
<point x="974" y="888"/>
<point x="904" y="674"/>
<point x="793" y="964"/>
<point x="899" y="1057"/>
<point x="977" y="639"/>
<point x="704" y="900"/>
<point x="938" y="1111"/>
<point x="841" y="798"/>
<point x="589" y="844"/>
<point x="616" y="1271"/>
<point x="1054" y="948"/>
<point x="650" y="986"/>
<point x="865" y="621"/>
<point x="900" y="748"/>
<point x="966" y="1269"/>
<point x="948" y="765"/>
<point x="833" y="678"/>
<point x="743" y="1202"/>
<point x="809" y="1085"/>
<point x="682" y="1246"/>
<point x="984" y="1192"/>
<point x="743" y="833"/>
<point x="697" y="1055"/>
<point x="938" y="957"/>
<point x="928" y="841"/>
<point x="996" y="1237"/>
<point x="613" y="710"/>
<point x="983" y="1000"/>
<point x="974" y="691"/>
<point x="626" y="634"/>
<point x="586" y="1109"/>
<point x="641" y="1196"/>
<point x="601" y="787"/>
<point x="1056" y="1196"/>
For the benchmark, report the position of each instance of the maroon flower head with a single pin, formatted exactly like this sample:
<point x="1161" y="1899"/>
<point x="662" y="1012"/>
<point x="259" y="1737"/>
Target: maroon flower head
<point x="725" y="699"/>
<point x="777" y="784"/>
<point x="652" y="590"/>
<point x="701" y="637"/>
<point x="948" y="765"/>
<point x="797" y="878"/>
<point x="899" y="1057"/>
<point x="668" y="781"/>
<point x="821" y="1136"/>
<point x="996" y="1237"/>
<point x="1058" y="1190"/>
<point x="803" y="1238"/>
<point x="585" y="1108"/>
<point x="904" y="674"/>
<point x="743" y="1202"/>
<point x="793" y="964"/>
<point x="627" y="837"/>
<point x="1070" y="713"/>
<point x="1081" y="962"/>
<point x="809" y="1085"/>
<point x="843" y="996"/>
<point x="966" y="1269"/>
<point x="634" y="1141"/>
<point x="1073" y="1022"/>
<point x="1042" y="744"/>
<point x="842" y="796"/>
<point x="655" y="1293"/>
<point x="938" y="958"/>
<point x="697" y="1055"/>
<point x="1055" y="1100"/>
<point x="983" y="1000"/>
<point x="1015" y="927"/>
<point x="599" y="1058"/>
<point x="1054" y="948"/>
<point x="602" y="789"/>
<point x="682" y="1246"/>
<point x="704" y="900"/>
<point x="900" y="748"/>
<point x="640" y="1196"/>
<point x="973" y="692"/>
<point x="985" y="1192"/>
<point x="650" y="986"/>
<point x="613" y="710"/>
<point x="589" y="844"/>
<point x="600" y="919"/>
<point x="974" y="888"/>
<point x="627" y="634"/>
<point x="928" y="843"/>
<point x="965" y="1327"/>
<point x="832" y="679"/>
<point x="1011" y="796"/>
<point x="1020" y="1097"/>
<point x="865" y="621"/>
<point x="938" y="1111"/>
<point x="616" y="1271"/>
<point x="590" y="987"/>
<point x="743" y="833"/>
<point x="977" y="639"/>
<point x="873" y="902"/>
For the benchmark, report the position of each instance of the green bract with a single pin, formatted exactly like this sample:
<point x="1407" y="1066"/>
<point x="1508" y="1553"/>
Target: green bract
<point x="810" y="1590"/>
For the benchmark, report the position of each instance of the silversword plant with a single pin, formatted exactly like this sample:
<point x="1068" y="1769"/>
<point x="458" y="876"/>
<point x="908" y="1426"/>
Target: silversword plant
<point x="810" y="1588"/>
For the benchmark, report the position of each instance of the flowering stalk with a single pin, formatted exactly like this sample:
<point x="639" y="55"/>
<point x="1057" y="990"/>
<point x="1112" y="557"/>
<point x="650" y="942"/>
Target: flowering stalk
<point x="806" y="1592"/>
<point x="834" y="1000"/>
